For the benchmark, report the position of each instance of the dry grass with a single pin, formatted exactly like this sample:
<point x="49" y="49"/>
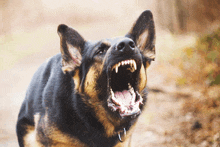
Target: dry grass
<point x="200" y="66"/>
<point x="205" y="122"/>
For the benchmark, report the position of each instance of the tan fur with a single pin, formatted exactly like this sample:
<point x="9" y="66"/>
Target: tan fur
<point x="76" y="80"/>
<point x="66" y="67"/>
<point x="149" y="53"/>
<point x="106" y="42"/>
<point x="90" y="82"/>
<point x="59" y="139"/>
<point x="31" y="138"/>
<point x="102" y="116"/>
<point x="94" y="102"/>
<point x="147" y="65"/>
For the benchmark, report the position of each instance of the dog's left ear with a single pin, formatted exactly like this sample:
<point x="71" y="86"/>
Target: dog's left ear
<point x="71" y="47"/>
<point x="143" y="34"/>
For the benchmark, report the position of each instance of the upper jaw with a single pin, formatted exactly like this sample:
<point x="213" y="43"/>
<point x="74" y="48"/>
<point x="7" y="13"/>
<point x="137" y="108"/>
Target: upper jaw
<point x="124" y="97"/>
<point x="131" y="62"/>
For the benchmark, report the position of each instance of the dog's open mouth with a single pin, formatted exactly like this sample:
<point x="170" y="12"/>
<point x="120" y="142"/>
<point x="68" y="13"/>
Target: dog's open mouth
<point x="125" y="97"/>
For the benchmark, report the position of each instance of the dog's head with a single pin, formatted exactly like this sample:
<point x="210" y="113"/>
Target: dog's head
<point x="111" y="73"/>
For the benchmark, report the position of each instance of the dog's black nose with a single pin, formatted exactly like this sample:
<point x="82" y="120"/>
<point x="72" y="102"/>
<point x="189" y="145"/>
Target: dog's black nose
<point x="125" y="45"/>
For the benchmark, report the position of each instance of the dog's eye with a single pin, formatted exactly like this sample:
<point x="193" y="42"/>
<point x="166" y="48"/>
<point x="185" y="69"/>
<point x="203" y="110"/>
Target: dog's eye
<point x="102" y="49"/>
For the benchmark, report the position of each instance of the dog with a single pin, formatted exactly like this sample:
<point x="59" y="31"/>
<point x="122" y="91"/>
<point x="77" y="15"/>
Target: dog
<point x="92" y="93"/>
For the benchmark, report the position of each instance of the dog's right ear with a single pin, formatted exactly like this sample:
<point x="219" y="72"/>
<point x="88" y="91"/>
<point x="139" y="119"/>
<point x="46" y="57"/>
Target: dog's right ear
<point x="143" y="34"/>
<point x="71" y="46"/>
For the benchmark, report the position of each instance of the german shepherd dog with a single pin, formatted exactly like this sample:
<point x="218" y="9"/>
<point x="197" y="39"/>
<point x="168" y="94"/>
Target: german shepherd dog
<point x="92" y="93"/>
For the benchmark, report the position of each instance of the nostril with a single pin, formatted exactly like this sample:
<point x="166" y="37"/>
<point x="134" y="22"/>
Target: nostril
<point x="131" y="44"/>
<point x="121" y="46"/>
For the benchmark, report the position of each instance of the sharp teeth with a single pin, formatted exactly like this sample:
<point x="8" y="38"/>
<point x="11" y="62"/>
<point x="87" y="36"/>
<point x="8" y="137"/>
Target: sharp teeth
<point x="134" y="64"/>
<point x="112" y="93"/>
<point x="129" y="86"/>
<point x="123" y="62"/>
<point x="129" y="61"/>
<point x="116" y="68"/>
<point x="131" y="90"/>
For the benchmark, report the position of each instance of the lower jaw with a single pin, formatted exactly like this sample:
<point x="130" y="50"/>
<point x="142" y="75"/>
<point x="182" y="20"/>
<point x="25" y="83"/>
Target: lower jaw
<point x="132" y="114"/>
<point x="124" y="111"/>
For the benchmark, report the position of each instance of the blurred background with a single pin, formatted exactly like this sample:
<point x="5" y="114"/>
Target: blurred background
<point x="184" y="98"/>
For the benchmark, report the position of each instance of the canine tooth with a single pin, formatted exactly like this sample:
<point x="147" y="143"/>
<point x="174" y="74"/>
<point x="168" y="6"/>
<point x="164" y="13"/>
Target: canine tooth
<point x="116" y="69"/>
<point x="113" y="95"/>
<point x="129" y="86"/>
<point x="132" y="65"/>
<point x="135" y="65"/>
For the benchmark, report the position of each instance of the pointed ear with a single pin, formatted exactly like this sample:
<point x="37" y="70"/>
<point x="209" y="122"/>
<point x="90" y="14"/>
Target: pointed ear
<point x="71" y="46"/>
<point x="143" y="34"/>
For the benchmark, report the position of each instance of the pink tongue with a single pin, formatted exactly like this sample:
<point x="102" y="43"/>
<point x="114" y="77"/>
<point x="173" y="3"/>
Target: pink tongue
<point x="125" y="97"/>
